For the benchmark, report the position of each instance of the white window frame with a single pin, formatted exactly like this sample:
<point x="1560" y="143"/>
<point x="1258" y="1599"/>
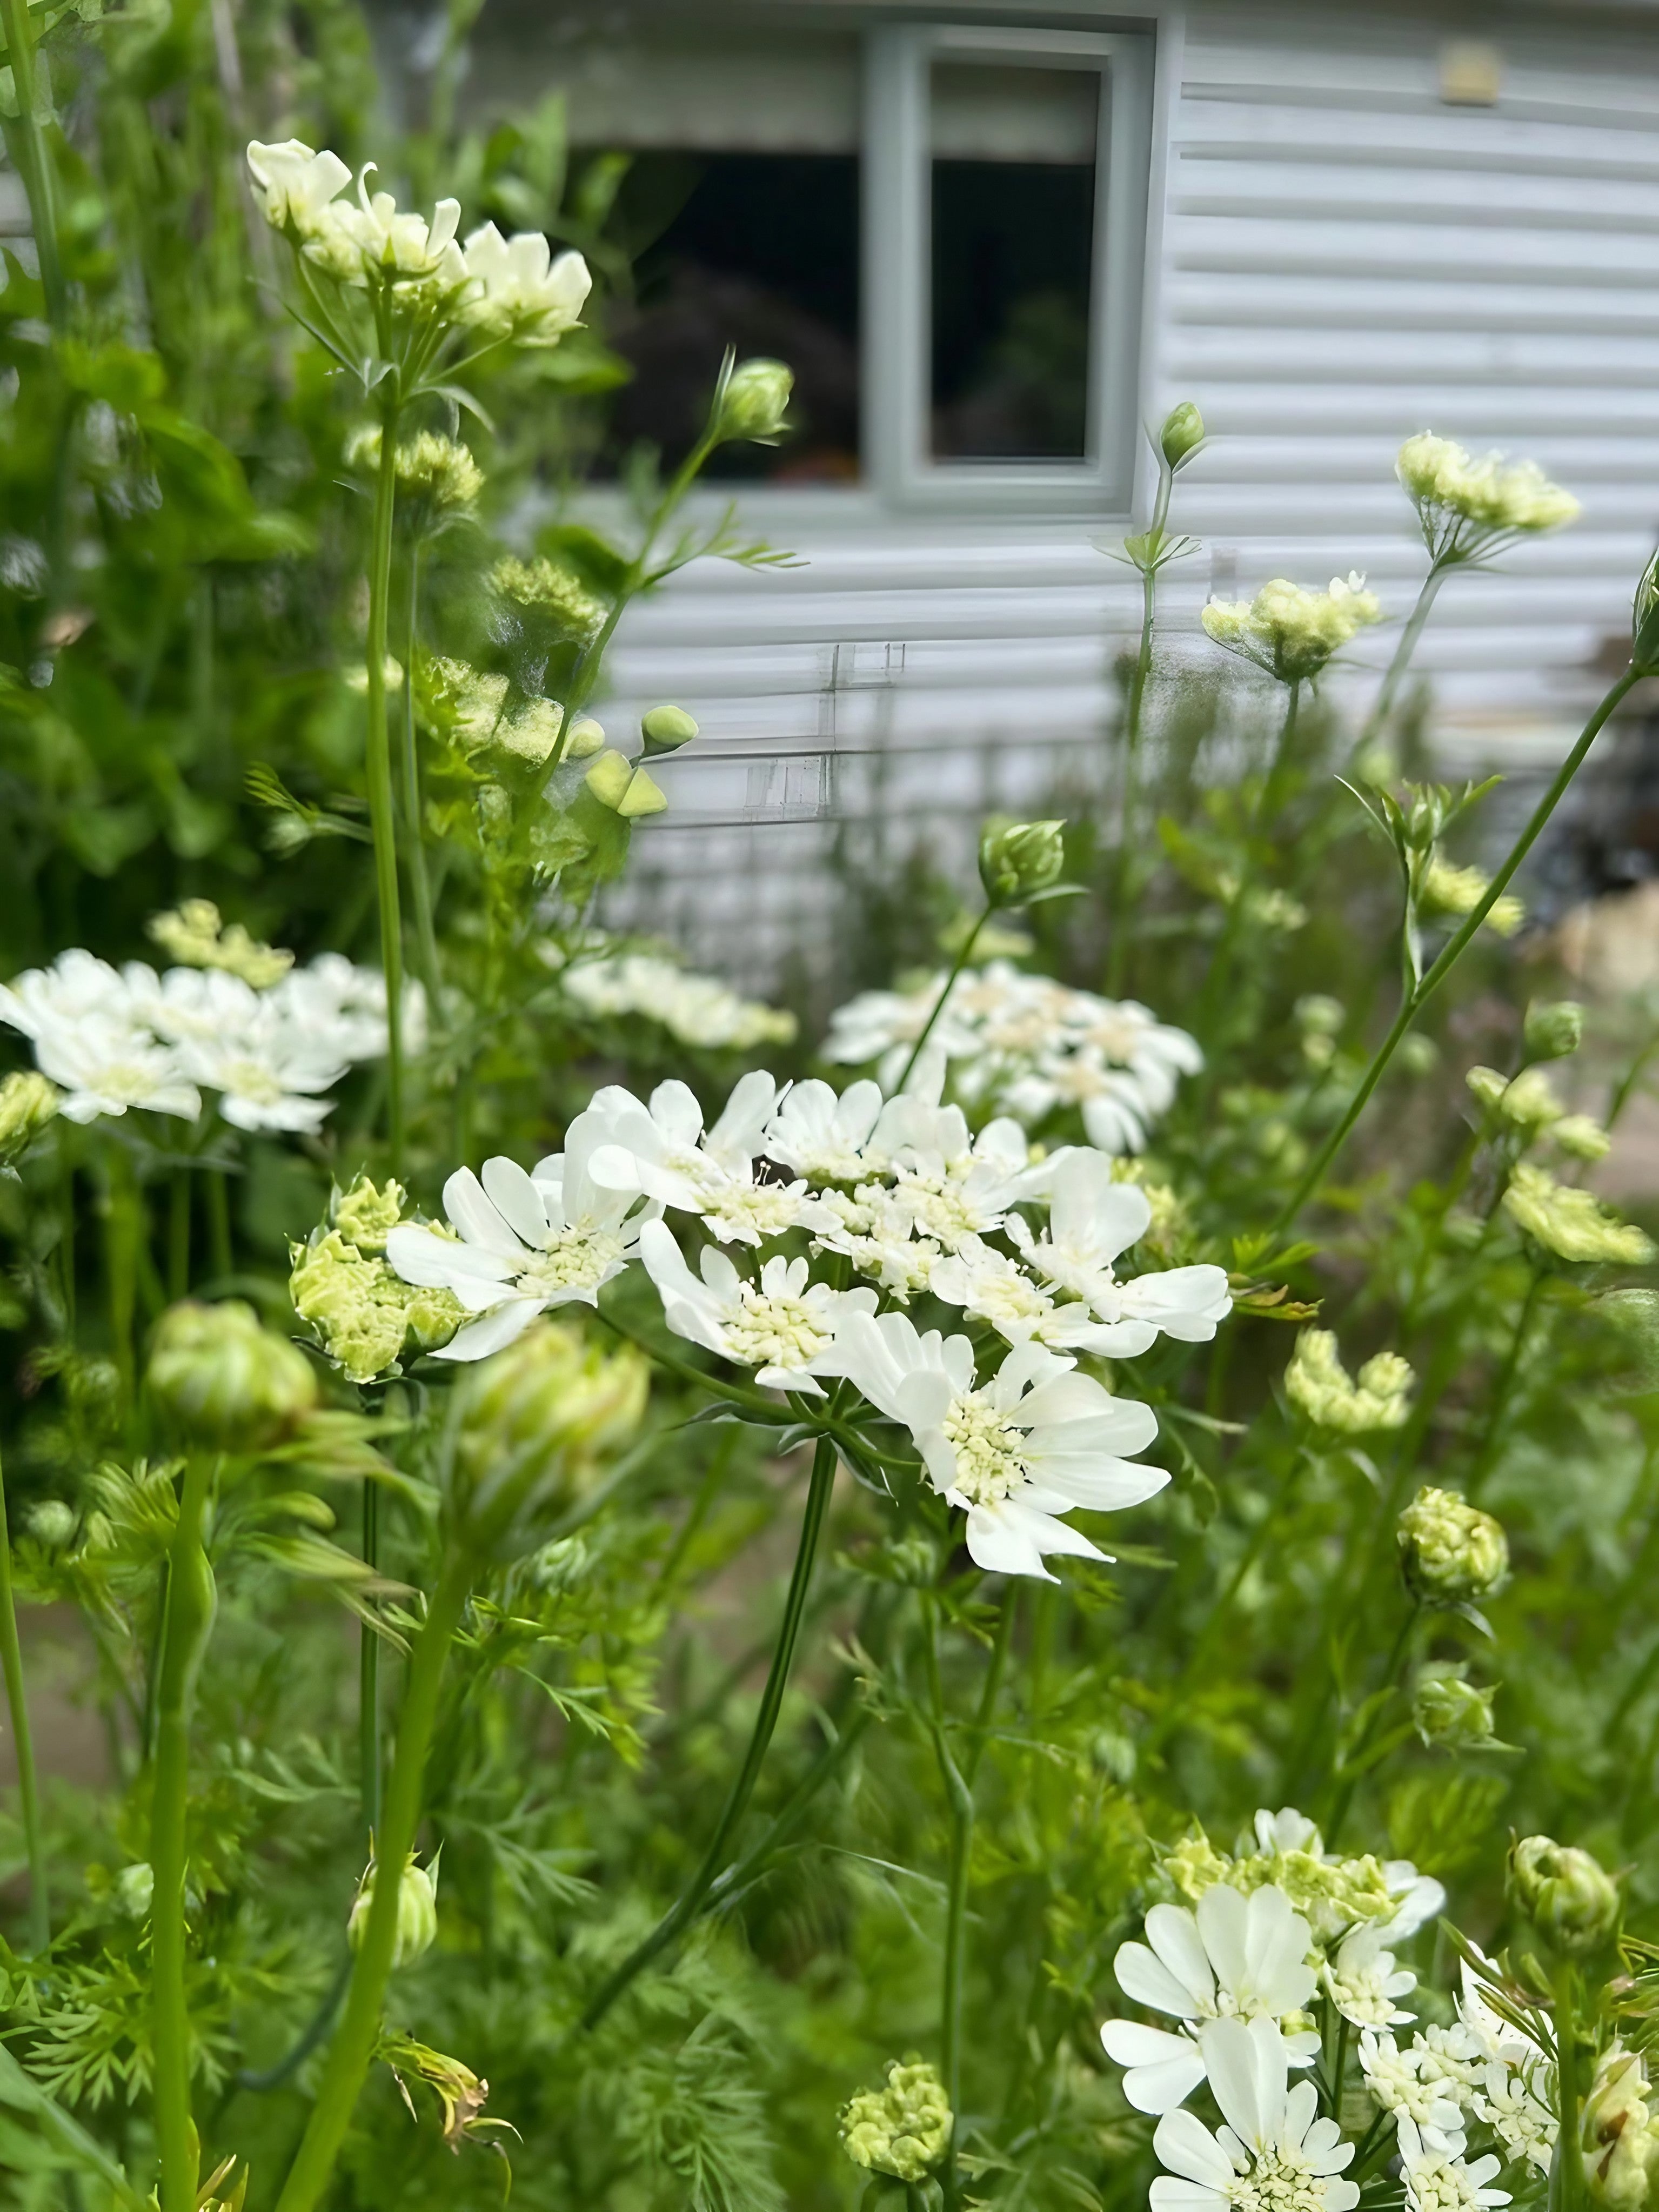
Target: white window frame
<point x="897" y="286"/>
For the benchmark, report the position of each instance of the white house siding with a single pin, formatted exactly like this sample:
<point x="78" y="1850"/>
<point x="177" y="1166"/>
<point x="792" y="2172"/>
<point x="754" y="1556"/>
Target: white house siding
<point x="1338" y="259"/>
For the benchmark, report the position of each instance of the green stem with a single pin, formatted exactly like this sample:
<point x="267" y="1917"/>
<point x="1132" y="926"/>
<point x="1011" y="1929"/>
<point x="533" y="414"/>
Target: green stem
<point x="121" y="1260"/>
<point x="1566" y="2166"/>
<point x="218" y="1209"/>
<point x="353" y="2047"/>
<point x="377" y="769"/>
<point x="1504" y="1390"/>
<point x="420" y="880"/>
<point x="187" y="1623"/>
<point x="1453" y="952"/>
<point x="690" y="1902"/>
<point x="369" y="1676"/>
<point x="1123" y="874"/>
<point x="179" y="1235"/>
<point x="1347" y="1779"/>
<point x="940" y="1004"/>
<point x="1220" y="974"/>
<point x="66" y="1226"/>
<point x="11" y="1664"/>
<point x="36" y="165"/>
<point x="1382" y="706"/>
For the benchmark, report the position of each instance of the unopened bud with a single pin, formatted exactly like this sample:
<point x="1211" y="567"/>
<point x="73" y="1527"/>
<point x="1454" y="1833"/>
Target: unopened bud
<point x="626" y="790"/>
<point x="1554" y="1028"/>
<point x="1452" y="1713"/>
<point x="587" y="737"/>
<point x="1317" y="1015"/>
<point x="753" y="402"/>
<point x="366" y="1214"/>
<point x="530" y="1429"/>
<point x="28" y="1102"/>
<point x="417" y="1911"/>
<point x="52" y="1522"/>
<point x="1644" y="617"/>
<point x="1018" y="860"/>
<point x="1569" y="1899"/>
<point x="1182" y="436"/>
<point x="665" y="729"/>
<point x="225" y="1381"/>
<point x="1451" y="1552"/>
<point x="903" y="2129"/>
<point x="134" y="1889"/>
<point x="1618" y="2131"/>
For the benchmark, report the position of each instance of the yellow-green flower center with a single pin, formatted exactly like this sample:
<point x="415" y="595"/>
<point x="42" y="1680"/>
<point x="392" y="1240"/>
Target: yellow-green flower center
<point x="989" y="1464"/>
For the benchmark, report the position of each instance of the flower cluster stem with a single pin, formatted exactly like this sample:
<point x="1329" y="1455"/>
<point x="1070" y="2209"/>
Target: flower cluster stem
<point x="944" y="998"/>
<point x="1413" y="1001"/>
<point x="369" y="1676"/>
<point x="377" y="771"/>
<point x="28" y="1792"/>
<point x="353" y="2047"/>
<point x="420" y="876"/>
<point x="690" y="1903"/>
<point x="1123" y="873"/>
<point x="36" y="164"/>
<point x="186" y="1623"/>
<point x="1395" y="674"/>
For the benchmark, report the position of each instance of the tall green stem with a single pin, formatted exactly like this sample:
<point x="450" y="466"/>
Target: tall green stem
<point x="353" y="2047"/>
<point x="690" y="1902"/>
<point x="1382" y="705"/>
<point x="377" y="768"/>
<point x="1347" y="1777"/>
<point x="1414" y="1002"/>
<point x="187" y="1622"/>
<point x="1123" y="874"/>
<point x="944" y="998"/>
<point x="1504" y="1390"/>
<point x="121" y="1233"/>
<point x="1566" y="2166"/>
<point x="37" y="178"/>
<point x="1215" y="983"/>
<point x="420" y="879"/>
<point x="28" y="1794"/>
<point x="369" y="1676"/>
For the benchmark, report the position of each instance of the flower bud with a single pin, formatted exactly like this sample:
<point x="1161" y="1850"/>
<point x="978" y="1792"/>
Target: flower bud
<point x="1572" y="1902"/>
<point x="1455" y="1714"/>
<point x="1581" y="1137"/>
<point x="587" y="737"/>
<point x="903" y="2129"/>
<point x="1451" y="1552"/>
<point x="134" y="1889"/>
<point x="1618" y="2131"/>
<point x="52" y="1522"/>
<point x="665" y="729"/>
<point x="1182" y="436"/>
<point x="225" y="1381"/>
<point x="417" y="1911"/>
<point x="753" y="402"/>
<point x="530" y="1429"/>
<point x="1644" y="617"/>
<point x="1554" y="1028"/>
<point x="366" y="1214"/>
<point x="626" y="790"/>
<point x="28" y="1102"/>
<point x="1017" y="860"/>
<point x="1316" y="1015"/>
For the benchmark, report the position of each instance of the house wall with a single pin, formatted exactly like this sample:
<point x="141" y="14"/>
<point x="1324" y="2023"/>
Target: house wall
<point x="1338" y="258"/>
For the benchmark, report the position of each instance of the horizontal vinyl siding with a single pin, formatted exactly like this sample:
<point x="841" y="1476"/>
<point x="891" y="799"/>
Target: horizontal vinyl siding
<point x="1343" y="260"/>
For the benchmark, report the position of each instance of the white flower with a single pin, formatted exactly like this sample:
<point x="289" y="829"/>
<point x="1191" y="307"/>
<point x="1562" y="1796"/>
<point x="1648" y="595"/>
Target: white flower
<point x="826" y="1137"/>
<point x="1523" y="2122"/>
<point x="663" y="1152"/>
<point x="1364" y="1981"/>
<point x="104" y="1066"/>
<point x="871" y="1230"/>
<point x="782" y="1327"/>
<point x="1422" y="1898"/>
<point x="334" y="994"/>
<point x="269" y="1074"/>
<point x="295" y="186"/>
<point x="1092" y="1221"/>
<point x="1113" y="1105"/>
<point x="1439" y="2180"/>
<point x="1272" y="2154"/>
<point x="884" y="1026"/>
<point x="951" y="1186"/>
<point x="518" y="293"/>
<point x="1395" y="2080"/>
<point x="1034" y="1442"/>
<point x="525" y="1242"/>
<point x="394" y="239"/>
<point x="697" y="1010"/>
<point x="1236" y="1957"/>
<point x="75" y="987"/>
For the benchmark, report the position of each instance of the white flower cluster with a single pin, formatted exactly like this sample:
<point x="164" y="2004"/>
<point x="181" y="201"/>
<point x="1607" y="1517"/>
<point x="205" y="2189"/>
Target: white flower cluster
<point x="117" y="1037"/>
<point x="1290" y="632"/>
<point x="896" y="1192"/>
<point x="699" y="1011"/>
<point x="504" y="288"/>
<point x="1278" y="1927"/>
<point x="1027" y="1046"/>
<point x="1461" y="501"/>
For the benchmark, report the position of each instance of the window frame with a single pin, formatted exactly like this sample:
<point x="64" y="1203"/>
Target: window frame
<point x="896" y="249"/>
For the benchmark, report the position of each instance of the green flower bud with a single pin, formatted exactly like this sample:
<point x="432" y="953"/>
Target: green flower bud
<point x="417" y="1911"/>
<point x="1644" y="617"/>
<point x="1581" y="1137"/>
<point x="1618" y="2131"/>
<point x="665" y="729"/>
<point x="1017" y="860"/>
<point x="365" y="1216"/>
<point x="1455" y="1714"/>
<point x="135" y="1888"/>
<point x="52" y="1522"/>
<point x="1451" y="1552"/>
<point x="530" y="1430"/>
<point x="28" y="1102"/>
<point x="903" y="2129"/>
<point x="1572" y="1902"/>
<point x="1319" y="1016"/>
<point x="753" y="402"/>
<point x="1554" y="1028"/>
<point x="1182" y="436"/>
<point x="587" y="737"/>
<point x="1417" y="1054"/>
<point x="226" y="1381"/>
<point x="626" y="790"/>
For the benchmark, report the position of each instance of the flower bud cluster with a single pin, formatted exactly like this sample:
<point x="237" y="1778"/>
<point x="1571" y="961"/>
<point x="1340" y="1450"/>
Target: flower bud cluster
<point x="1018" y="860"/>
<point x="552" y="590"/>
<point x="1445" y="889"/>
<point x="417" y="1911"/>
<point x="28" y="1102"/>
<point x="1450" y="1553"/>
<point x="1568" y="1896"/>
<point x="197" y="938"/>
<point x="1571" y="1223"/>
<point x="1452" y="1713"/>
<point x="1290" y="632"/>
<point x="226" y="1381"/>
<point x="1448" y="489"/>
<point x="1317" y="1384"/>
<point x="1618" y="2131"/>
<point x="1525" y="1104"/>
<point x="441" y="469"/>
<point x="904" y="2128"/>
<point x="361" y="1314"/>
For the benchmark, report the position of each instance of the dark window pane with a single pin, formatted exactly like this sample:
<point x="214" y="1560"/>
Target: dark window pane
<point x="754" y="250"/>
<point x="1014" y="154"/>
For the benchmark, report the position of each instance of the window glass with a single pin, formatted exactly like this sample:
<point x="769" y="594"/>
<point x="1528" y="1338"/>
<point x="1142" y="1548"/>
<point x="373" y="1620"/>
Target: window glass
<point x="1012" y="154"/>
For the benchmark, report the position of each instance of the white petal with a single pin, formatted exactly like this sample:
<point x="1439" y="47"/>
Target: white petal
<point x="1168" y="2195"/>
<point x="1144" y="1977"/>
<point x="1186" y="2146"/>
<point x="1174" y="1935"/>
<point x="496" y="1331"/>
<point x="1132" y="2043"/>
<point x="1001" y="1549"/>
<point x="471" y="1213"/>
<point x="517" y="1199"/>
<point x="1161" y="2088"/>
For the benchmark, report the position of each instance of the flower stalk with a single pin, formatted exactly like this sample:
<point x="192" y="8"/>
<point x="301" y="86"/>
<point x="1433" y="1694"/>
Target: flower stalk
<point x="36" y="163"/>
<point x="28" y="1792"/>
<point x="377" y="768"/>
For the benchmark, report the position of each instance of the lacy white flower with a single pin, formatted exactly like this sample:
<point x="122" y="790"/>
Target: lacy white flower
<point x="1092" y="1221"/>
<point x="782" y="1327"/>
<point x="1236" y="1957"/>
<point x="76" y="985"/>
<point x="1439" y="2180"/>
<point x="269" y="1072"/>
<point x="1462" y="504"/>
<point x="104" y="1066"/>
<point x="868" y="1228"/>
<point x="1569" y="1222"/>
<point x="826" y="1136"/>
<point x="394" y="239"/>
<point x="1273" y="2154"/>
<point x="524" y="1242"/>
<point x="884" y="1025"/>
<point x="1114" y="1110"/>
<point x="1289" y="632"/>
<point x="333" y="993"/>
<point x="1036" y="1441"/>
<point x="519" y="291"/>
<point x="1363" y="1980"/>
<point x="1396" y="2081"/>
<point x="697" y="1010"/>
<point x="295" y="186"/>
<point x="663" y="1152"/>
<point x="952" y="1186"/>
<point x="1519" y="2117"/>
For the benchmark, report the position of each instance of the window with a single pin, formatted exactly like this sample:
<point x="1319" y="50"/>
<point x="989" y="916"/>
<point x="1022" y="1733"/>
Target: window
<point x="1004" y="213"/>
